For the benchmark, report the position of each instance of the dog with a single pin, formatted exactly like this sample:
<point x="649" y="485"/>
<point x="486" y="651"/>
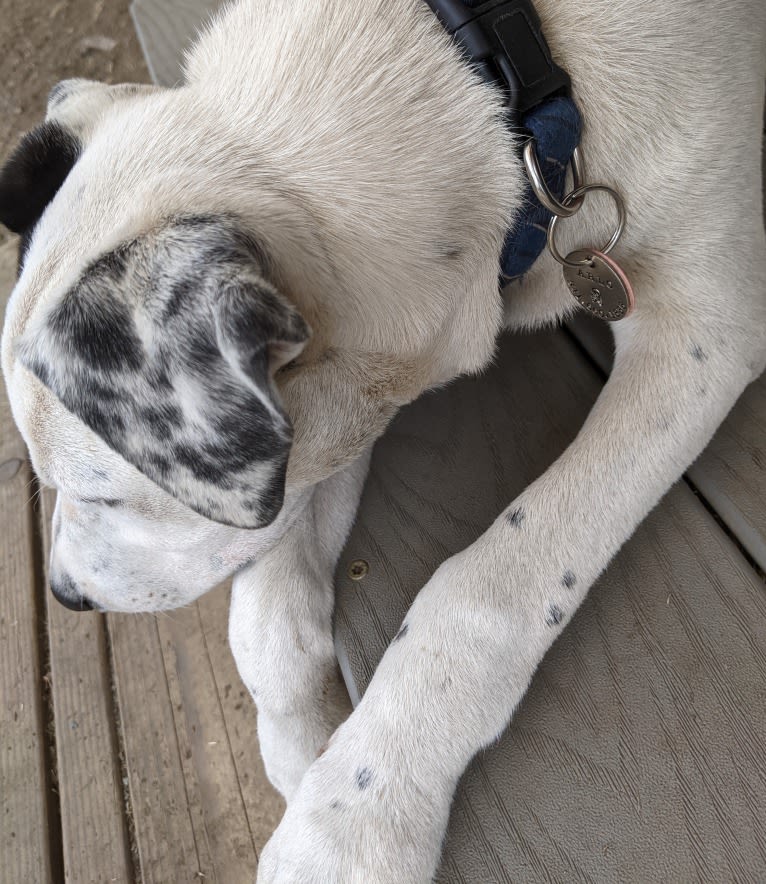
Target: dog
<point x="229" y="288"/>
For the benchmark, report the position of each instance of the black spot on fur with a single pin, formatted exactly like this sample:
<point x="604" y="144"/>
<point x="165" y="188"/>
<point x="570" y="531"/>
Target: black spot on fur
<point x="158" y="378"/>
<point x="34" y="173"/>
<point x="95" y="390"/>
<point x="108" y="426"/>
<point x="363" y="778"/>
<point x="449" y="251"/>
<point x="272" y="497"/>
<point x="569" y="579"/>
<point x="246" y="564"/>
<point x="100" y="332"/>
<point x="162" y="419"/>
<point x="40" y="371"/>
<point x="112" y="502"/>
<point x="516" y="517"/>
<point x="113" y="264"/>
<point x="180" y="293"/>
<point x="243" y="434"/>
<point x="554" y="616"/>
<point x="59" y="92"/>
<point x="203" y="352"/>
<point x="161" y="464"/>
<point x="208" y="470"/>
<point x="24" y="243"/>
<point x="698" y="353"/>
<point x="402" y="632"/>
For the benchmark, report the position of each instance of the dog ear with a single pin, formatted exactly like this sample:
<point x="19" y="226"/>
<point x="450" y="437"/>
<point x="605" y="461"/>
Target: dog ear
<point x="33" y="174"/>
<point x="166" y="348"/>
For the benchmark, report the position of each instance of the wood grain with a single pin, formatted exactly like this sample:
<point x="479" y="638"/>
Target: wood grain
<point x="263" y="804"/>
<point x="165" y="29"/>
<point x="94" y="831"/>
<point x="168" y="824"/>
<point x="208" y="765"/>
<point x="24" y="835"/>
<point x="638" y="752"/>
<point x="201" y="802"/>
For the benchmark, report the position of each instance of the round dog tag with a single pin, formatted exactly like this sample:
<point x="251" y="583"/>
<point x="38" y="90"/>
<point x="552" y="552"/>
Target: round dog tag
<point x="599" y="284"/>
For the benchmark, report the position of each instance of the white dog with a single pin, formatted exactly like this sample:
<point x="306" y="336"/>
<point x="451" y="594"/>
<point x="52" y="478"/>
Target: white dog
<point x="270" y="260"/>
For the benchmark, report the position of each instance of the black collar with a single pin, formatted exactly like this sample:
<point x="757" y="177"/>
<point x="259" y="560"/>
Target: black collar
<point x="504" y="41"/>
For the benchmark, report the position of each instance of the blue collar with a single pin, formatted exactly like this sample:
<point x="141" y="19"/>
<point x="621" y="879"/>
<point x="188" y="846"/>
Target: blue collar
<point x="556" y="126"/>
<point x="503" y="40"/>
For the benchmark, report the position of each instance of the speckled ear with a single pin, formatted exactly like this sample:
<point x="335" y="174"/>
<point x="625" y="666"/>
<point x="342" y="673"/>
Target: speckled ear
<point x="165" y="349"/>
<point x="34" y="173"/>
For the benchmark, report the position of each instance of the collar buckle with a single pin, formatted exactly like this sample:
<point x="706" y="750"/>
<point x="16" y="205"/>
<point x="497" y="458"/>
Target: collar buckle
<point x="504" y="40"/>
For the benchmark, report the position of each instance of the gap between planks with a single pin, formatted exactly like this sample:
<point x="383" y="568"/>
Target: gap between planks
<point x="202" y="805"/>
<point x="93" y="825"/>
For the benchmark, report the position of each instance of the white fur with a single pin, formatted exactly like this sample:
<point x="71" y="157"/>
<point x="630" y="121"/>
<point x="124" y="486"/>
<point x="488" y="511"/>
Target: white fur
<point x="357" y="145"/>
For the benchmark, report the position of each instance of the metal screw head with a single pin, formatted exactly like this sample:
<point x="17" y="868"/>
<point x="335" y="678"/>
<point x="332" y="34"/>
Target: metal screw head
<point x="358" y="570"/>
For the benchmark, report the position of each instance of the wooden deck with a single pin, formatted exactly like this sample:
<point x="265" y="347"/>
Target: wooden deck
<point x="127" y="744"/>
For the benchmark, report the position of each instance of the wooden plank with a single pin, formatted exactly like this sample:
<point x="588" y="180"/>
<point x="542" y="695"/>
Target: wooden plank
<point x="24" y="834"/>
<point x="731" y="472"/>
<point x="202" y="804"/>
<point x="170" y="838"/>
<point x="263" y="804"/>
<point x="94" y="831"/>
<point x="637" y="754"/>
<point x="165" y="30"/>
<point x="205" y="744"/>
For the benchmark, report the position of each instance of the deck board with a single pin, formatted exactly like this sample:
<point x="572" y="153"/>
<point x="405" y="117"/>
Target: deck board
<point x="94" y="828"/>
<point x="638" y="750"/>
<point x="263" y="804"/>
<point x="166" y="817"/>
<point x="24" y="793"/>
<point x="24" y="814"/>
<point x="207" y="755"/>
<point x="166" y="28"/>
<point x="201" y="803"/>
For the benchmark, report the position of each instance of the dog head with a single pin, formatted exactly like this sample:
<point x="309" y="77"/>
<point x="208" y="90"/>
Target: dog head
<point x="140" y="364"/>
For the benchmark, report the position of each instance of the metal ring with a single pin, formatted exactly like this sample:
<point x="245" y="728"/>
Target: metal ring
<point x="580" y="193"/>
<point x="540" y="188"/>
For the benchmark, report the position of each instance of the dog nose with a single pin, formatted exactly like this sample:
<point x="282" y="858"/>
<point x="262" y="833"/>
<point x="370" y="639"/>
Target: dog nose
<point x="65" y="591"/>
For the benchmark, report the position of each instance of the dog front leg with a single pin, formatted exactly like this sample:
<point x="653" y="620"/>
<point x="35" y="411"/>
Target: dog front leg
<point x="280" y="632"/>
<point x="374" y="807"/>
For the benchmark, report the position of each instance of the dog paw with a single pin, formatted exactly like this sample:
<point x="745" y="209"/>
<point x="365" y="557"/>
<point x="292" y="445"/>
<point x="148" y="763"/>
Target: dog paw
<point x="355" y="823"/>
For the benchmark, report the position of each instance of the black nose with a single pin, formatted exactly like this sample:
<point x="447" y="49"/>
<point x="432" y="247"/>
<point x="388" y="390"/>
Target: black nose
<point x="65" y="591"/>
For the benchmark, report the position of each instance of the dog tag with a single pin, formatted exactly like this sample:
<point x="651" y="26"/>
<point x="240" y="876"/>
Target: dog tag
<point x="599" y="285"/>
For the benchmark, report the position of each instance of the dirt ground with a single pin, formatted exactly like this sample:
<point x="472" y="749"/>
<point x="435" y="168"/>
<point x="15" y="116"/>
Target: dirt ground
<point x="44" y="41"/>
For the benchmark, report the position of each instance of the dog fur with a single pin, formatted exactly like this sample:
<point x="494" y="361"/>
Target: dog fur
<point x="284" y="250"/>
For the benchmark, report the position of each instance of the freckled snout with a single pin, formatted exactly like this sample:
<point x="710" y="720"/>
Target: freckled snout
<point x="66" y="592"/>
